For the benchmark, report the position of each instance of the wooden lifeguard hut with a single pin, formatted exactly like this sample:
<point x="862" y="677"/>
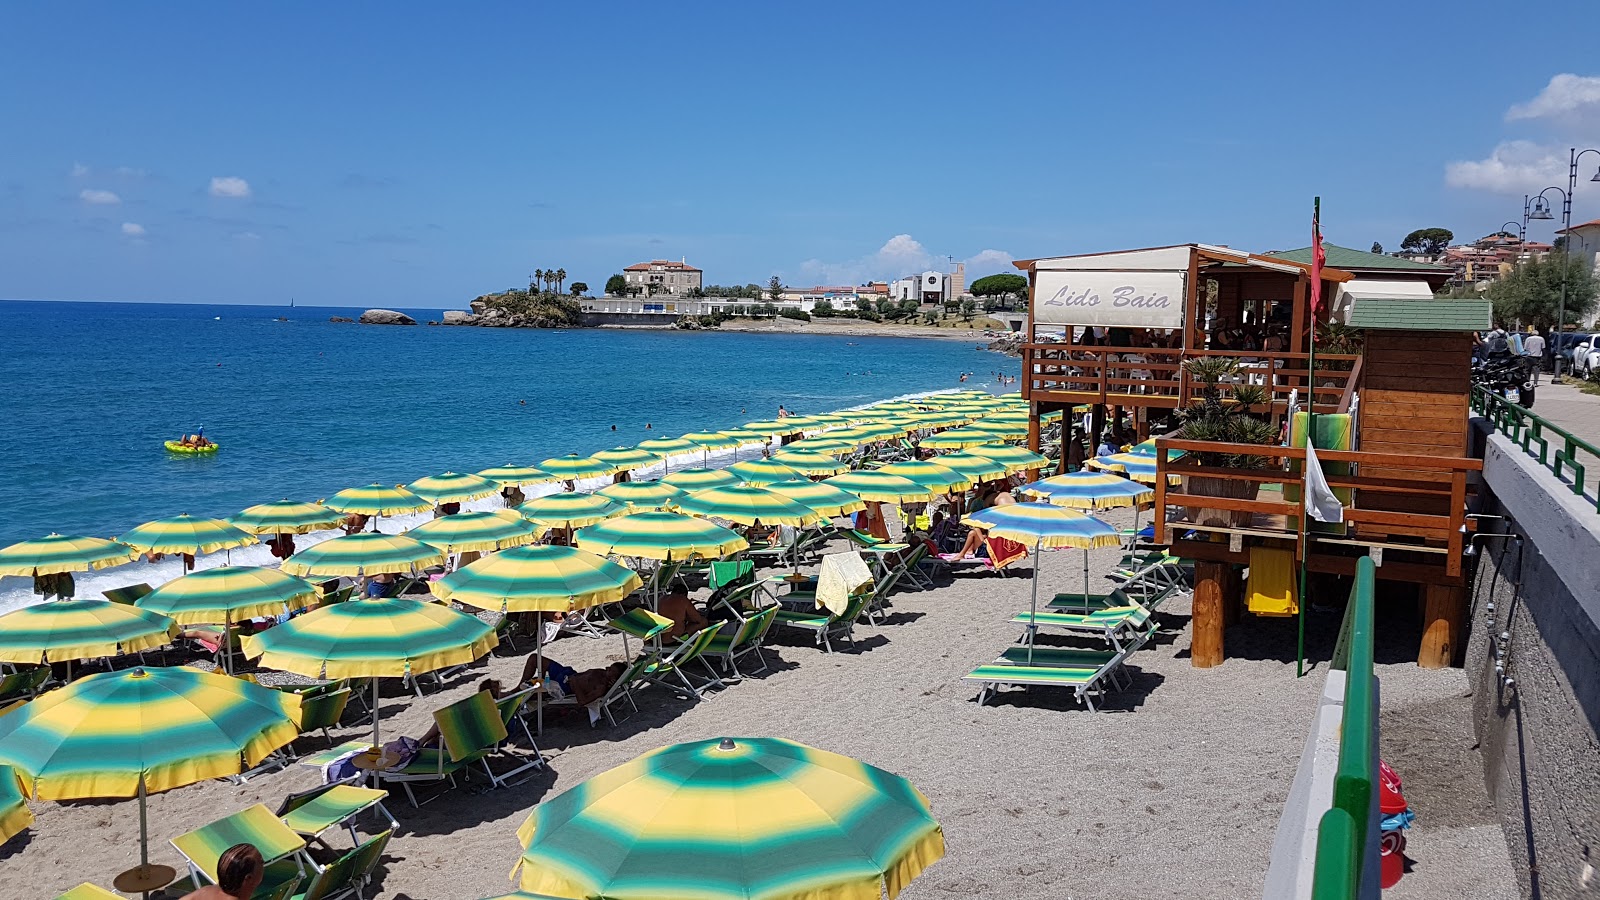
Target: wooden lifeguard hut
<point x="1391" y="414"/>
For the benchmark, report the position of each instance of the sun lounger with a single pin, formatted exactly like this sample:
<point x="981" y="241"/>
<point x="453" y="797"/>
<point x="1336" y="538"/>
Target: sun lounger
<point x="1149" y="599"/>
<point x="513" y="710"/>
<point x="746" y="637"/>
<point x="127" y="595"/>
<point x="87" y="891"/>
<point x="322" y="711"/>
<point x="347" y="875"/>
<point x="313" y="813"/>
<point x="280" y="847"/>
<point x="826" y="626"/>
<point x="1084" y="681"/>
<point x="622" y="688"/>
<point x="1116" y="625"/>
<point x="1063" y="657"/>
<point x="470" y="730"/>
<point x="673" y="663"/>
<point x="24" y="684"/>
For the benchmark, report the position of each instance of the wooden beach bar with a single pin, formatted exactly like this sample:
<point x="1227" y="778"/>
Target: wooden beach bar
<point x="1390" y="388"/>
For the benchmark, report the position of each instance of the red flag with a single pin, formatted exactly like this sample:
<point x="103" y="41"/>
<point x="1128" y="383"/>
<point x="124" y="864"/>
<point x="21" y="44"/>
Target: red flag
<point x="1318" y="259"/>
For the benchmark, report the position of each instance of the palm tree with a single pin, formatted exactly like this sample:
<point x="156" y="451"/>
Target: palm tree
<point x="538" y="279"/>
<point x="561" y="277"/>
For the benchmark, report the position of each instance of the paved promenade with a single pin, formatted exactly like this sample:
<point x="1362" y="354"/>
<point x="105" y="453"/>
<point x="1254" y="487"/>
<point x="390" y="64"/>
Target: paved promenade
<point x="1578" y="413"/>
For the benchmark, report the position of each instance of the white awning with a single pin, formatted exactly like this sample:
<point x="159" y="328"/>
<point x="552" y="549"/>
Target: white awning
<point x="1373" y="289"/>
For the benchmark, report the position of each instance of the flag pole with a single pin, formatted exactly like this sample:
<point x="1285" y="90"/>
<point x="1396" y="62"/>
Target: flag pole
<point x="1311" y="434"/>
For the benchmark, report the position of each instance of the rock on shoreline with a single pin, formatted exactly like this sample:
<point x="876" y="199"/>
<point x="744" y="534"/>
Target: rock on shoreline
<point x="340" y="319"/>
<point x="386" y="317"/>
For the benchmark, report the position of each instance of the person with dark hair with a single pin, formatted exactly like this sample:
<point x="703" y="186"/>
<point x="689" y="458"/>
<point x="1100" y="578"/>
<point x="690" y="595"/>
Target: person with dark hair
<point x="239" y="872"/>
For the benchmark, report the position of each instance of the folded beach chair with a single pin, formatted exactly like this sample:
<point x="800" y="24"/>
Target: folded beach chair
<point x="127" y="595"/>
<point x="1083" y="681"/>
<point x="1123" y="627"/>
<point x="281" y="848"/>
<point x="747" y="637"/>
<point x="23" y="684"/>
<point x="347" y="875"/>
<point x="313" y="813"/>
<point x="471" y="731"/>
<point x="639" y="622"/>
<point x="689" y="650"/>
<point x="860" y="538"/>
<point x="825" y="626"/>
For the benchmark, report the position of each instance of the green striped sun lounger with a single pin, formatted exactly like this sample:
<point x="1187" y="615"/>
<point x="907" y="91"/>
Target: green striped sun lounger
<point x="1113" y="624"/>
<point x="1083" y="681"/>
<point x="313" y="813"/>
<point x="1062" y="657"/>
<point x="279" y="845"/>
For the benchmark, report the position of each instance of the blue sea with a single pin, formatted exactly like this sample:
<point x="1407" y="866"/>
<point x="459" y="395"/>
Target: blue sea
<point x="302" y="407"/>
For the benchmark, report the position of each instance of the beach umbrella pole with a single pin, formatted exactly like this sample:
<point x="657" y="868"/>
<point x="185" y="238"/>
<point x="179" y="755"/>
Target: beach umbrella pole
<point x="1033" y="605"/>
<point x="375" y="744"/>
<point x="1086" y="580"/>
<point x="538" y="696"/>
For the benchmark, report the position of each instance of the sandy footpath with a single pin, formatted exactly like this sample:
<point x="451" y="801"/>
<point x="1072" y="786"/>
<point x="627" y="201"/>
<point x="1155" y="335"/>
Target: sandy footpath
<point x="1172" y="791"/>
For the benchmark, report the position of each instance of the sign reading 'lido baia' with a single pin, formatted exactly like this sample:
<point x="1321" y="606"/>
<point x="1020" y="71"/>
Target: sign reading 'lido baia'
<point x="1129" y="299"/>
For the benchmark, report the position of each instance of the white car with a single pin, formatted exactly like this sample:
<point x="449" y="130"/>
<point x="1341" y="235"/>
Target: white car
<point x="1586" y="357"/>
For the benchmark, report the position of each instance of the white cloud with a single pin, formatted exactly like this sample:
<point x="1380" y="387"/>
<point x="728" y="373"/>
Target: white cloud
<point x="1565" y="97"/>
<point x="79" y="170"/>
<point x="98" y="198"/>
<point x="1515" y="167"/>
<point x="989" y="262"/>
<point x="229" y="186"/>
<point x="899" y="256"/>
<point x="133" y="229"/>
<point x="247" y="236"/>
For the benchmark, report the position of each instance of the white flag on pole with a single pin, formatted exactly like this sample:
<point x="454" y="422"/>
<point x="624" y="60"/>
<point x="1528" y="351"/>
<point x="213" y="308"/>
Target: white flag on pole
<point x="1321" y="504"/>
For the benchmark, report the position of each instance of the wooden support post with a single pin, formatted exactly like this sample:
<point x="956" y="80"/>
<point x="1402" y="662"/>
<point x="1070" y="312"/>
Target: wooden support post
<point x="1208" y="620"/>
<point x="1444" y="619"/>
<point x="1097" y="426"/>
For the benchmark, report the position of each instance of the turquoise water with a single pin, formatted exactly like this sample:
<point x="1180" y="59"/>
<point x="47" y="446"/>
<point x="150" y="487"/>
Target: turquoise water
<point x="305" y="407"/>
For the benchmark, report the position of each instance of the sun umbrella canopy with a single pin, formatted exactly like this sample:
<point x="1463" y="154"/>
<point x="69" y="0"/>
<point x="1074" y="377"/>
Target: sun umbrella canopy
<point x="823" y="443"/>
<point x="958" y="439"/>
<point x="60" y="553"/>
<point x="1088" y="490"/>
<point x="1005" y="431"/>
<point x="627" y="458"/>
<point x="570" y="509"/>
<point x="573" y="467"/>
<point x="791" y="425"/>
<point x="452" y="487"/>
<point x="745" y="435"/>
<point x="376" y="500"/>
<point x="476" y="531"/>
<point x="660" y="535"/>
<point x="1015" y="459"/>
<point x="694" y="479"/>
<point x="826" y="499"/>
<point x="978" y="468"/>
<point x="735" y="819"/>
<point x="63" y="630"/>
<point x="763" y="471"/>
<point x="372" y="638"/>
<point x="641" y="495"/>
<point x="228" y="594"/>
<point x="538" y="579"/>
<point x="194" y="535"/>
<point x="670" y="446"/>
<point x="14" y="812"/>
<point x="287" y="517"/>
<point x="932" y="475"/>
<point x="367" y="553"/>
<point x="810" y="462"/>
<point x="1044" y="525"/>
<point x="876" y="431"/>
<point x="747" y="505"/>
<point x="713" y="440"/>
<point x="517" y="476"/>
<point x="877" y="486"/>
<point x="1137" y="466"/>
<point x="98" y="736"/>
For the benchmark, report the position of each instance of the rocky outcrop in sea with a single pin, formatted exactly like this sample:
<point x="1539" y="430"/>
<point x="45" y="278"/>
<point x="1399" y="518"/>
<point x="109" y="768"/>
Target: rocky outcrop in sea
<point x="386" y="317"/>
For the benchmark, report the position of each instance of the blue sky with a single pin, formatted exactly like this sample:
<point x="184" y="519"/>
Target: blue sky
<point x="420" y="154"/>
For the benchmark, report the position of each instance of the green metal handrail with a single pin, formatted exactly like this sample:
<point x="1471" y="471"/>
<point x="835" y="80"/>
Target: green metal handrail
<point x="1526" y="428"/>
<point x="1342" y="832"/>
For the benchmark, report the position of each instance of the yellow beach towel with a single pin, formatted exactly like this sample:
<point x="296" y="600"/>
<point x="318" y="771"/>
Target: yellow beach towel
<point x="842" y="575"/>
<point x="1271" y="586"/>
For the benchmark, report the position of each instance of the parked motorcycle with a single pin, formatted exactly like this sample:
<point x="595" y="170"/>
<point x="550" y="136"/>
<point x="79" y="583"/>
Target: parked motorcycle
<point x="1508" y="375"/>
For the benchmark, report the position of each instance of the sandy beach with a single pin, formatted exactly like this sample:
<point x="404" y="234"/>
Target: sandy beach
<point x="1173" y="790"/>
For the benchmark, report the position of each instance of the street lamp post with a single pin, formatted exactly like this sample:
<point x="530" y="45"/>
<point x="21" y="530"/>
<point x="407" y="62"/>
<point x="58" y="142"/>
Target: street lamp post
<point x="1541" y="210"/>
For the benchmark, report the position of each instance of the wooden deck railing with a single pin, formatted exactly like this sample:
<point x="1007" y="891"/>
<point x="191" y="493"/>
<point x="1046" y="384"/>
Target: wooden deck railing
<point x="1442" y="480"/>
<point x="1155" y="376"/>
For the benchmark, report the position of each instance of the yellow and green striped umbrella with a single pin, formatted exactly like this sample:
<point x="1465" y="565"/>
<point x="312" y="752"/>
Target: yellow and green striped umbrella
<point x="452" y="487"/>
<point x="376" y="500"/>
<point x="876" y="431"/>
<point x="228" y="594"/>
<point x="822" y="443"/>
<point x="670" y="446"/>
<point x="1005" y="431"/>
<point x="1044" y="525"/>
<point x="714" y="440"/>
<point x="757" y="472"/>
<point x="958" y="439"/>
<point x="372" y="639"/>
<point x="510" y="475"/>
<point x="115" y="735"/>
<point x="1015" y="459"/>
<point x="942" y="479"/>
<point x="538" y="579"/>
<point x="287" y="517"/>
<point x="573" y="467"/>
<point x="747" y="505"/>
<point x="939" y="419"/>
<point x="570" y="509"/>
<point x="641" y="495"/>
<point x="745" y="435"/>
<point x="14" y="812"/>
<point x="59" y="553"/>
<point x="64" y="630"/>
<point x="695" y="479"/>
<point x="367" y="553"/>
<point x="732" y="819"/>
<point x="769" y="427"/>
<point x="1088" y="490"/>
<point x="516" y="895"/>
<point x="476" y="531"/>
<point x="829" y="419"/>
<point x="660" y="535"/>
<point x="826" y="499"/>
<point x="977" y="468"/>
<point x="853" y="435"/>
<point x="876" y="486"/>
<point x="810" y="462"/>
<point x="895" y="406"/>
<point x="870" y="414"/>
<point x="626" y="459"/>
<point x="195" y="535"/>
